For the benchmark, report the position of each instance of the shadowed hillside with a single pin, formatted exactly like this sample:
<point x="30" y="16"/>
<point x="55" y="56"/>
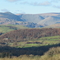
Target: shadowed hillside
<point x="7" y="51"/>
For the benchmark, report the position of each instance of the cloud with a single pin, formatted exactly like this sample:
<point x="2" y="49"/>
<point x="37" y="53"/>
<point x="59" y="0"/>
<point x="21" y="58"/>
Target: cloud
<point x="55" y="1"/>
<point x="4" y="10"/>
<point x="25" y="2"/>
<point x="13" y="0"/>
<point x="42" y="4"/>
<point x="20" y="11"/>
<point x="46" y="3"/>
<point x="56" y="6"/>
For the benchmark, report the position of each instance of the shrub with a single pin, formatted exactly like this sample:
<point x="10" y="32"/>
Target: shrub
<point x="53" y="51"/>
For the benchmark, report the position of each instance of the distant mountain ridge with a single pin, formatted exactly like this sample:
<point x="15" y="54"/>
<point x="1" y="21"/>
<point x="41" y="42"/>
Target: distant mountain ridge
<point x="45" y="19"/>
<point x="30" y="20"/>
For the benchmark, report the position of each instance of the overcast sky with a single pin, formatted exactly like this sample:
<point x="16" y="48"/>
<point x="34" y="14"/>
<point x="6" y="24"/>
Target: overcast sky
<point x="30" y="6"/>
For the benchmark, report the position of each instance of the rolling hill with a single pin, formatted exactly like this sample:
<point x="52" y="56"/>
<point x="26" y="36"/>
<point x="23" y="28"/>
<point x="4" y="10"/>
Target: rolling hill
<point x="53" y="26"/>
<point x="10" y="18"/>
<point x="29" y="34"/>
<point x="30" y="20"/>
<point x="42" y="19"/>
<point x="8" y="28"/>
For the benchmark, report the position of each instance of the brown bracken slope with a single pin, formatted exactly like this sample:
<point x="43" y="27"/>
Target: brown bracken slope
<point x="29" y="34"/>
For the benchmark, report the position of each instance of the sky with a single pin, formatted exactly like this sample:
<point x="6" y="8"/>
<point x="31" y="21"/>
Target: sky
<point x="30" y="6"/>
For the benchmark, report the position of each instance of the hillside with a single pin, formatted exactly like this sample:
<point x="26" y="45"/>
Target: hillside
<point x="41" y="19"/>
<point x="10" y="18"/>
<point x="53" y="26"/>
<point x="29" y="34"/>
<point x="30" y="20"/>
<point x="31" y="17"/>
<point x="8" y="28"/>
<point x="32" y="44"/>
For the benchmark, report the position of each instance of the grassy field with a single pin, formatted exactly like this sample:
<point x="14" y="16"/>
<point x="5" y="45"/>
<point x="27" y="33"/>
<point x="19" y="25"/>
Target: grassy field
<point x="31" y="57"/>
<point x="37" y="42"/>
<point x="52" y="54"/>
<point x="43" y="41"/>
<point x="8" y="28"/>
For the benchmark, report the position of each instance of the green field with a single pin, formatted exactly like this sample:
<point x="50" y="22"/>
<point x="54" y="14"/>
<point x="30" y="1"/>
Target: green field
<point x="37" y="42"/>
<point x="8" y="28"/>
<point x="45" y="42"/>
<point x="47" y="45"/>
